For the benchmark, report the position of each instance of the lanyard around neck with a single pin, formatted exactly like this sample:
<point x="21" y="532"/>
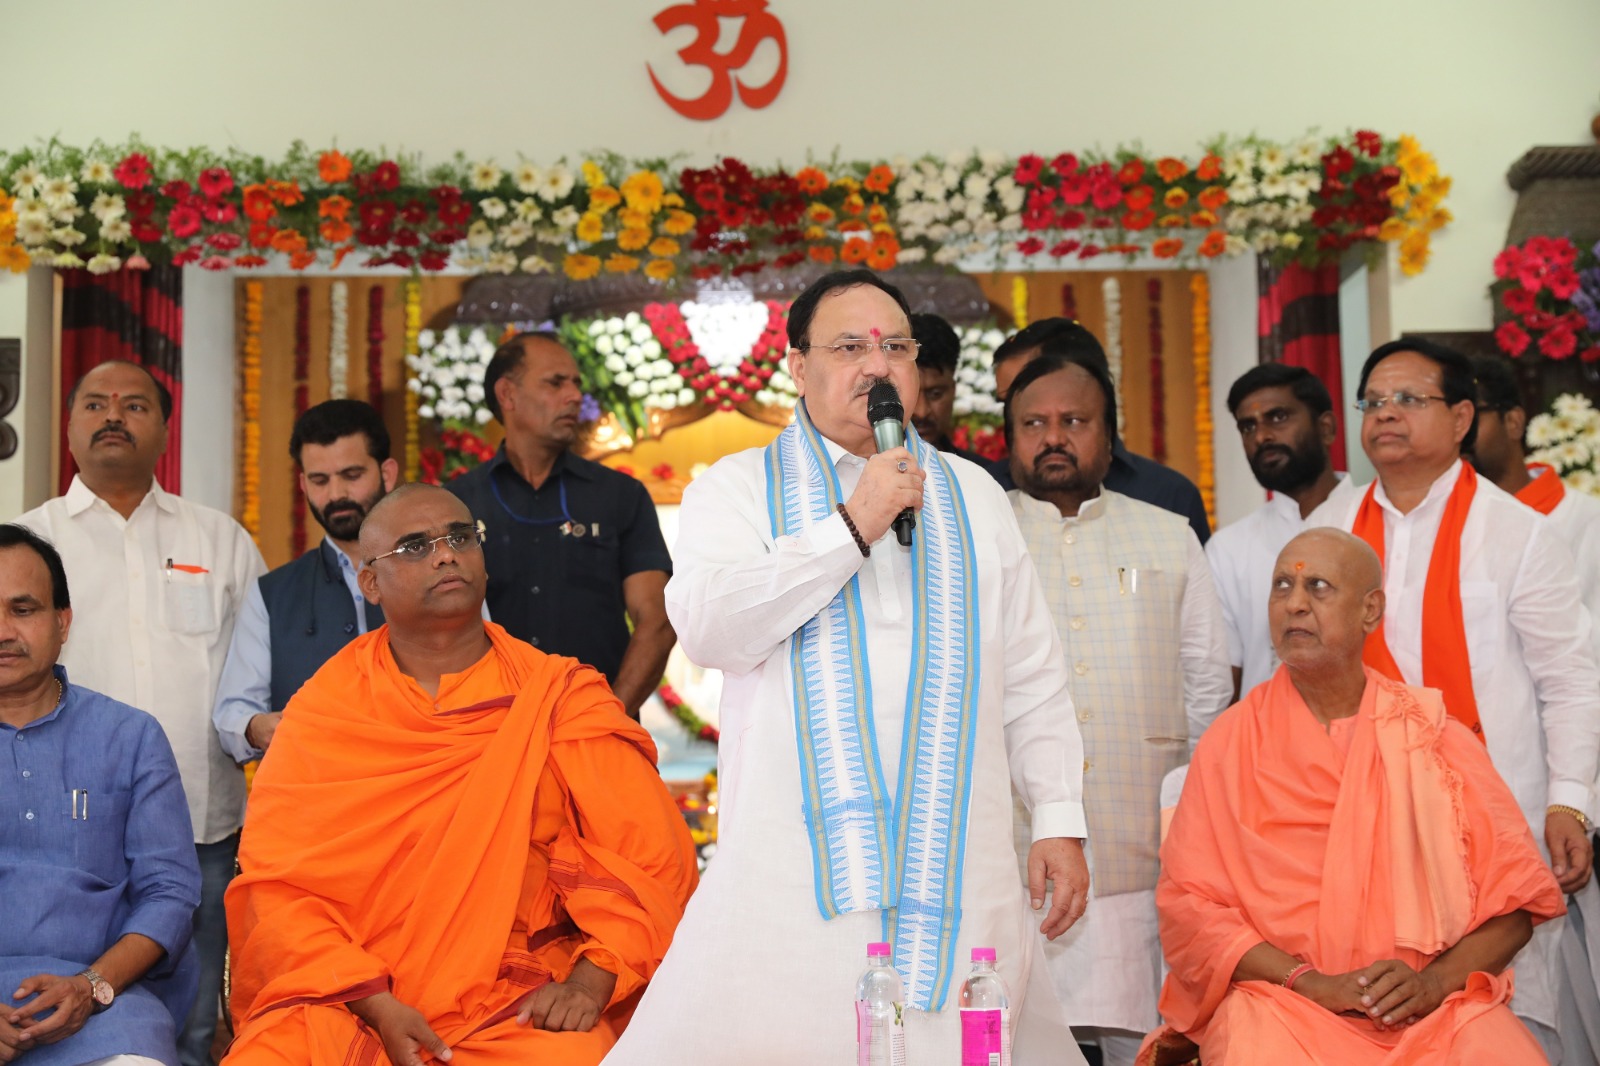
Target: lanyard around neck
<point x="565" y="517"/>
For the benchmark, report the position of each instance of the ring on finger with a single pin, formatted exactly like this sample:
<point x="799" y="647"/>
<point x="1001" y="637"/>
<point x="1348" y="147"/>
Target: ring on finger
<point x="902" y="466"/>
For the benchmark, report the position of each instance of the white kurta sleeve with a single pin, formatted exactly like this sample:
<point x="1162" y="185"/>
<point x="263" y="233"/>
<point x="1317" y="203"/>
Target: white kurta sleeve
<point x="1203" y="647"/>
<point x="1225" y="586"/>
<point x="1553" y="630"/>
<point x="736" y="595"/>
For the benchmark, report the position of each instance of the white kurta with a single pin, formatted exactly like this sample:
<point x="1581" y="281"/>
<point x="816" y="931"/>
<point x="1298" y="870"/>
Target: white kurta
<point x="1577" y="520"/>
<point x="754" y="973"/>
<point x="1533" y="670"/>
<point x="1241" y="555"/>
<point x="155" y="636"/>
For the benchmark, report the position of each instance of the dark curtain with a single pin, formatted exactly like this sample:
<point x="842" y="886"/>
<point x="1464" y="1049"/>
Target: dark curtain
<point x="134" y="315"/>
<point x="1298" y="324"/>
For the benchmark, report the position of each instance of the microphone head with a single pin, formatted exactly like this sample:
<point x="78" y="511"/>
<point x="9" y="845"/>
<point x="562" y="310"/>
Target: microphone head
<point x="883" y="403"/>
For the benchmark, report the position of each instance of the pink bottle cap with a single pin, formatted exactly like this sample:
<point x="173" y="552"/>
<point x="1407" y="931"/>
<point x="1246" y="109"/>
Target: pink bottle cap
<point x="983" y="954"/>
<point x="875" y="951"/>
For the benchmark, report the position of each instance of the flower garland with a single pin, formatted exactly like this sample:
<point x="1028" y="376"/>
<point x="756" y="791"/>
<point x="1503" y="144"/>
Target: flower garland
<point x="1158" y="383"/>
<point x="697" y="727"/>
<point x="120" y="205"/>
<point x="1111" y="294"/>
<point x="13" y="256"/>
<point x="1019" y="302"/>
<point x="1551" y="291"/>
<point x="302" y="400"/>
<point x="250" y="454"/>
<point x="339" y="340"/>
<point x="1205" y="452"/>
<point x="375" y="346"/>
<point x="1567" y="437"/>
<point x="413" y="453"/>
<point x="1069" y="302"/>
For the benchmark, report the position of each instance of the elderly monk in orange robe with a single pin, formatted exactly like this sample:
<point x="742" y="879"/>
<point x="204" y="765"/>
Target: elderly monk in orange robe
<point x="1346" y="878"/>
<point x="458" y="848"/>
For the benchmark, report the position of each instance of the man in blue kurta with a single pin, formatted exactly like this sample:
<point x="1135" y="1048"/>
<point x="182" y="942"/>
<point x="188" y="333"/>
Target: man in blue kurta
<point x="98" y="878"/>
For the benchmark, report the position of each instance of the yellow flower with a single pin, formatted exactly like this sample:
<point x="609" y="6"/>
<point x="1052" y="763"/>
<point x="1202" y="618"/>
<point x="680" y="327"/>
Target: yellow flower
<point x="1439" y="187"/>
<point x="1438" y="219"/>
<point x="592" y="174"/>
<point x="633" y="238"/>
<point x="660" y="269"/>
<point x="15" y="259"/>
<point x="590" y="227"/>
<point x="672" y="199"/>
<point x="643" y="191"/>
<point x="664" y="247"/>
<point x="848" y="184"/>
<point x="617" y="263"/>
<point x="1414" y="253"/>
<point x="816" y="233"/>
<point x="603" y="198"/>
<point x="581" y="267"/>
<point x="1392" y="229"/>
<point x="677" y="223"/>
<point x="5" y="201"/>
<point x="628" y="217"/>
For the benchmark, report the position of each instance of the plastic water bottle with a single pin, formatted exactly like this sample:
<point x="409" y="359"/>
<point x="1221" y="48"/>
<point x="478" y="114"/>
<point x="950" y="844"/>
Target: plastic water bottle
<point x="880" y="1003"/>
<point x="985" y="1014"/>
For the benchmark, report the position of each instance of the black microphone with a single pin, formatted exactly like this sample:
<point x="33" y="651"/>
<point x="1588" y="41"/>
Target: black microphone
<point x="888" y="417"/>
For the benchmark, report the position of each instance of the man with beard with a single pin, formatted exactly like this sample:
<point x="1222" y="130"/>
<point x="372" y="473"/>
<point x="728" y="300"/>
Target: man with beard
<point x="167" y="578"/>
<point x="1133" y="602"/>
<point x="575" y="550"/>
<point x="1286" y="424"/>
<point x="296" y="617"/>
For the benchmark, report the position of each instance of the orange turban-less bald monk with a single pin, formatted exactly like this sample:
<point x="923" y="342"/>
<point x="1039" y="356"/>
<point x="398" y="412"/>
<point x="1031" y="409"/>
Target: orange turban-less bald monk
<point x="458" y="848"/>
<point x="1346" y="878"/>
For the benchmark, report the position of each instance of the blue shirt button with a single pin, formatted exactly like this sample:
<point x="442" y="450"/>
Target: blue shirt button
<point x="30" y="816"/>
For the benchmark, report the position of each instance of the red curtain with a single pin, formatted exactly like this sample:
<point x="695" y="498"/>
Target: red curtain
<point x="133" y="315"/>
<point x="1298" y="324"/>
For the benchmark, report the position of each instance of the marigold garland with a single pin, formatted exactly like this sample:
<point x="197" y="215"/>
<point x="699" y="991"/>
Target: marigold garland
<point x="250" y="453"/>
<point x="339" y="340"/>
<point x="1019" y="301"/>
<point x="413" y="449"/>
<point x="1158" y="382"/>
<point x="302" y="400"/>
<point x="375" y="346"/>
<point x="1111" y="294"/>
<point x="1205" y="453"/>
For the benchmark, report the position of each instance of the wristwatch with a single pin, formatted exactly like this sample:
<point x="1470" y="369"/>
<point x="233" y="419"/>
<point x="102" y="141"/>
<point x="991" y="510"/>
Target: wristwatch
<point x="101" y="989"/>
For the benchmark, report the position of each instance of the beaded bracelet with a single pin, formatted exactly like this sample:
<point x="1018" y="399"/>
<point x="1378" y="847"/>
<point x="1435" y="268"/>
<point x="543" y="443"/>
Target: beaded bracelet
<point x="849" y="523"/>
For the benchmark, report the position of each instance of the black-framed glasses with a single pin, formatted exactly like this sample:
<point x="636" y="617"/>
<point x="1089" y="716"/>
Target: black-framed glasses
<point x="1404" y="401"/>
<point x="459" y="539"/>
<point x="895" y="349"/>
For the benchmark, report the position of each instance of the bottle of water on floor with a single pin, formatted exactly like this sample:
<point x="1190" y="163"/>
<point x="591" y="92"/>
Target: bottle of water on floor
<point x="880" y="1003"/>
<point x="985" y="1014"/>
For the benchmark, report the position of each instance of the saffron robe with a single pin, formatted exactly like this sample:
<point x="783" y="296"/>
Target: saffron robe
<point x="459" y="852"/>
<point x="1390" y="837"/>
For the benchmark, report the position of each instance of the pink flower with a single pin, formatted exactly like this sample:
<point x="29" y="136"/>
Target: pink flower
<point x="1559" y="343"/>
<point x="184" y="221"/>
<point x="1563" y="282"/>
<point x="1028" y="169"/>
<point x="136" y="262"/>
<point x="1512" y="339"/>
<point x="215" y="262"/>
<point x="215" y="182"/>
<point x="134" y="171"/>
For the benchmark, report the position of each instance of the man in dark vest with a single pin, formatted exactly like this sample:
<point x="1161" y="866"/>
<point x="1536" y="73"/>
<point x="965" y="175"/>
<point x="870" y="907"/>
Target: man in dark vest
<point x="297" y="616"/>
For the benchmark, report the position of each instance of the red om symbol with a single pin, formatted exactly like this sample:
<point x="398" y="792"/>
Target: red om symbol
<point x="757" y="25"/>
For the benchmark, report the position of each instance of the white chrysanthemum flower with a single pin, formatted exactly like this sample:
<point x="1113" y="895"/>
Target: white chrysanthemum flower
<point x="613" y="362"/>
<point x="566" y="218"/>
<point x="685" y="396"/>
<point x="1242" y="191"/>
<point x="104" y="264"/>
<point x="96" y="172"/>
<point x="33" y="230"/>
<point x="1012" y="200"/>
<point x="982" y="227"/>
<point x="961" y="227"/>
<point x="946" y="254"/>
<point x="493" y="208"/>
<point x="425" y="411"/>
<point x="528" y="210"/>
<point x="622" y="377"/>
<point x="1233" y="244"/>
<point x="1272" y="187"/>
<point x="988" y="157"/>
<point x="482" y="416"/>
<point x="475" y="392"/>
<point x="107" y="206"/>
<point x="514" y="234"/>
<point x="26" y="181"/>
<point x="58" y="188"/>
<point x="502" y="263"/>
<point x="639" y="389"/>
<point x="910" y="185"/>
<point x="1291" y="240"/>
<point x="1570" y="405"/>
<point x="1264" y="240"/>
<point x="640" y="333"/>
<point x="556" y="183"/>
<point x="66" y="236"/>
<point x="116" y="230"/>
<point x="652" y="347"/>
<point x="414" y="385"/>
<point x="604" y="345"/>
<point x="976" y="187"/>
<point x="35" y="208"/>
<point x="1308" y="153"/>
<point x="485" y="176"/>
<point x="528" y="178"/>
<point x="1272" y="159"/>
<point x="912" y="255"/>
<point x="597" y="327"/>
<point x="1240" y="163"/>
<point x="479" y="235"/>
<point x="536" y="264"/>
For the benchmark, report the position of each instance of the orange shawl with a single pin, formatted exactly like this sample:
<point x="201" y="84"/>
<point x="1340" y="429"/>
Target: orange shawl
<point x="1446" y="665"/>
<point x="387" y="845"/>
<point x="1395" y="850"/>
<point x="1545" y="491"/>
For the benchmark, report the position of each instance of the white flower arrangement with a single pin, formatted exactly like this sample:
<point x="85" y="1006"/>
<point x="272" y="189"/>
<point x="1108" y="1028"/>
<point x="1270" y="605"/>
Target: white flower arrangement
<point x="339" y="340"/>
<point x="636" y="363"/>
<point x="975" y="374"/>
<point x="1568" y="438"/>
<point x="447" y="375"/>
<point x="1111" y="293"/>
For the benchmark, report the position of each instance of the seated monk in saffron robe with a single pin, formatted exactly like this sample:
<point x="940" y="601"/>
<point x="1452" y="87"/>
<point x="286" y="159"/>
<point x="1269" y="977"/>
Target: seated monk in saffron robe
<point x="1346" y="878"/>
<point x="459" y="848"/>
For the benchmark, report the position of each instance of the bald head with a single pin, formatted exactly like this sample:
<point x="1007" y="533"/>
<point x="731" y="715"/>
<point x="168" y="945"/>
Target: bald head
<point x="430" y="582"/>
<point x="1327" y="595"/>
<point x="382" y="528"/>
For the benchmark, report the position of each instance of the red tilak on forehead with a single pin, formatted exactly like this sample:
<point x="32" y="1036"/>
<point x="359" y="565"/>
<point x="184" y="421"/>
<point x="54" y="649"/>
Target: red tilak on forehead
<point x="1299" y="566"/>
<point x="875" y="333"/>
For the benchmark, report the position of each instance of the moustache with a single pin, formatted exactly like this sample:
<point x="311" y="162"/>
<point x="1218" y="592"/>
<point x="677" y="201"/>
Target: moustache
<point x="868" y="384"/>
<point x="1274" y="449"/>
<point x="1054" y="450"/>
<point x="111" y="431"/>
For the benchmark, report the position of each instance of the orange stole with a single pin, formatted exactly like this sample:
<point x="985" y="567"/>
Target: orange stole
<point x="1546" y="491"/>
<point x="1446" y="664"/>
<point x="434" y="849"/>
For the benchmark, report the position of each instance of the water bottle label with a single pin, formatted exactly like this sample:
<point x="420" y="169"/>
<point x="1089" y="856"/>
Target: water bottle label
<point x="874" y="1045"/>
<point x="985" y="1038"/>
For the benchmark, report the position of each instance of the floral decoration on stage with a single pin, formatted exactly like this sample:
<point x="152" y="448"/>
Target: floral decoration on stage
<point x="977" y="413"/>
<point x="1567" y="437"/>
<point x="1551" y="289"/>
<point x="112" y="206"/>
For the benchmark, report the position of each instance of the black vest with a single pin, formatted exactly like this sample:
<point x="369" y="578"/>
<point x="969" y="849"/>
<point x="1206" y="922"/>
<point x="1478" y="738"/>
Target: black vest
<point x="311" y="617"/>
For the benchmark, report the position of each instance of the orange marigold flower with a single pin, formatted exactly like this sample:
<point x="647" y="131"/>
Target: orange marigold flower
<point x="643" y="191"/>
<point x="603" y="198"/>
<point x="260" y="235"/>
<point x="338" y="257"/>
<point x="1166" y="248"/>
<point x="302" y="259"/>
<point x="879" y="179"/>
<point x="853" y="204"/>
<point x="333" y="207"/>
<point x="1139" y="197"/>
<point x="333" y="166"/>
<point x="580" y="267"/>
<point x="1393" y="229"/>
<point x="677" y="223"/>
<point x="883" y="252"/>
<point x="816" y="233"/>
<point x="855" y="252"/>
<point x="336" y="231"/>
<point x="672" y="199"/>
<point x="660" y="269"/>
<point x="1209" y="168"/>
<point x="1175" y="198"/>
<point x="821" y="214"/>
<point x="633" y="238"/>
<point x="288" y="240"/>
<point x="1214" y="244"/>
<point x="1213" y="197"/>
<point x="877" y="214"/>
<point x="848" y="184"/>
<point x="664" y="247"/>
<point x="1171" y="169"/>
<point x="883" y="227"/>
<point x="1203" y="219"/>
<point x="1171" y="221"/>
<point x="286" y="193"/>
<point x="852" y="225"/>
<point x="628" y="217"/>
<point x="1138" y="220"/>
<point x="258" y="203"/>
<point x="821" y="253"/>
<point x="617" y="263"/>
<point x="811" y="180"/>
<point x="590" y="227"/>
<point x="15" y="259"/>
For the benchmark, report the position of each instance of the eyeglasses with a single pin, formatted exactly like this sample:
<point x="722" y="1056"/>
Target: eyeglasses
<point x="459" y="539"/>
<point x="1405" y="401"/>
<point x="895" y="349"/>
